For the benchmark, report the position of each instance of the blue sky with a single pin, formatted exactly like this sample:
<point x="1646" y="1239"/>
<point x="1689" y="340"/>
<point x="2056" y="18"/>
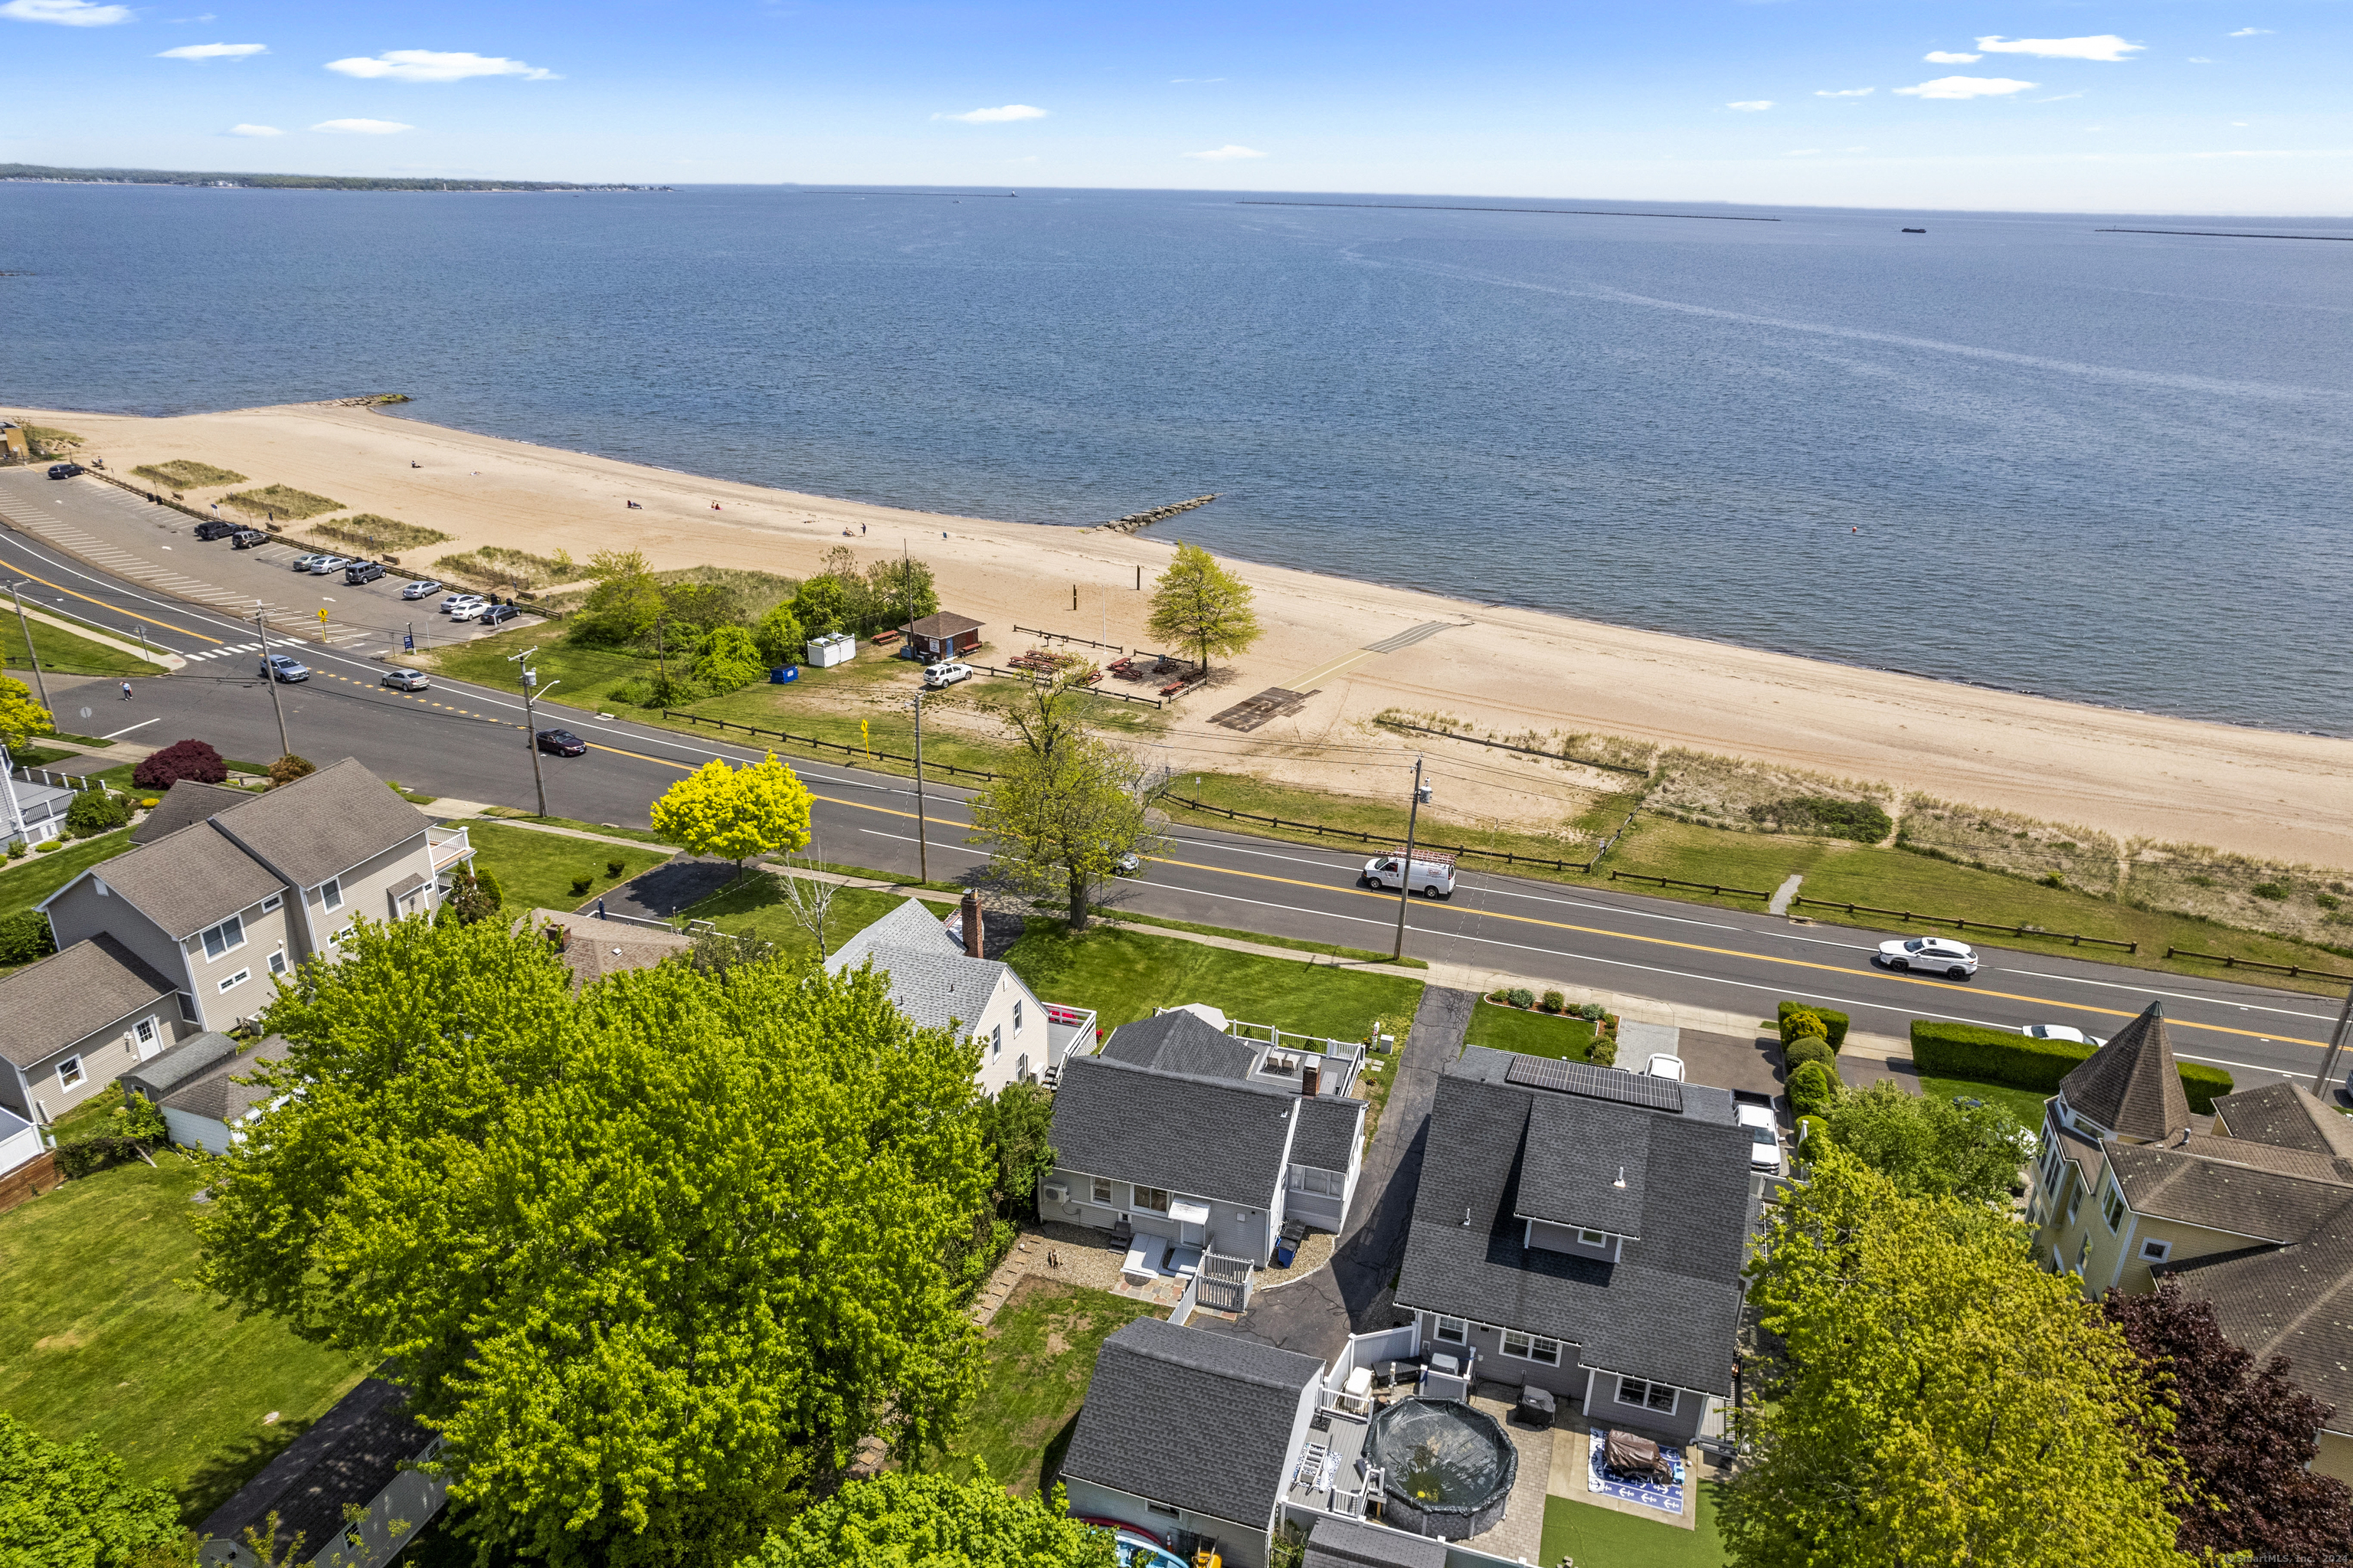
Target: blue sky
<point x="2192" y="106"/>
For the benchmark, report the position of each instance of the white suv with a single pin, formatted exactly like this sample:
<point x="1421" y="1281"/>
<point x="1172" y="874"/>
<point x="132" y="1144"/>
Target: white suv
<point x="1956" y="960"/>
<point x="938" y="676"/>
<point x="1764" y="1139"/>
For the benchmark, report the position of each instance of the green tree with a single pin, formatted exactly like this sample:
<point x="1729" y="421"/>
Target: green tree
<point x="693" y="610"/>
<point x="1069" y="810"/>
<point x="1019" y="1124"/>
<point x="822" y="605"/>
<point x="72" y="1505"/>
<point x="735" y="812"/>
<point x="1200" y="605"/>
<point x="901" y="591"/>
<point x="21" y="718"/>
<point x="289" y="767"/>
<point x="651" y="1259"/>
<point x="1931" y="1396"/>
<point x="898" y="1520"/>
<point x="1928" y="1146"/>
<point x="780" y="638"/>
<point x="729" y="659"/>
<point x="473" y="896"/>
<point x="622" y="607"/>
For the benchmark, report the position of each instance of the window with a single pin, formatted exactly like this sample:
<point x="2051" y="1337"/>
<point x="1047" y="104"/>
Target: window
<point x="2083" y="1255"/>
<point x="145" y="1030"/>
<point x="1306" y="1179"/>
<point x="1529" y="1348"/>
<point x="70" y="1073"/>
<point x="1592" y="1238"/>
<point x="272" y="902"/>
<point x="278" y="962"/>
<point x="2156" y="1251"/>
<point x="238" y="978"/>
<point x="225" y="938"/>
<point x="330" y="892"/>
<point x="2074" y="1205"/>
<point x="1102" y="1189"/>
<point x="1016" y="1015"/>
<point x="1165" y="1512"/>
<point x="1658" y="1396"/>
<point x="1453" y="1332"/>
<point x="2111" y="1206"/>
<point x="1153" y="1198"/>
<point x="995" y="1042"/>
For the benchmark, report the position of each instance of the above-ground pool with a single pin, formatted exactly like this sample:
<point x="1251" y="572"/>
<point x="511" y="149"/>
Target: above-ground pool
<point x="1447" y="1469"/>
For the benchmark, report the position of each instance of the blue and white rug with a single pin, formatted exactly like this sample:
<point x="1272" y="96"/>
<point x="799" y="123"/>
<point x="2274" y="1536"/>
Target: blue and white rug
<point x="1650" y="1494"/>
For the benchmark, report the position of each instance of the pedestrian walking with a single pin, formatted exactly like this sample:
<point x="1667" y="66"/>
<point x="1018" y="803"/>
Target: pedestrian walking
<point x="126" y="691"/>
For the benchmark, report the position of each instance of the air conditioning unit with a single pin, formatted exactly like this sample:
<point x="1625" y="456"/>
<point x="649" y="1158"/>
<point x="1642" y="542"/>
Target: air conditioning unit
<point x="1056" y="1192"/>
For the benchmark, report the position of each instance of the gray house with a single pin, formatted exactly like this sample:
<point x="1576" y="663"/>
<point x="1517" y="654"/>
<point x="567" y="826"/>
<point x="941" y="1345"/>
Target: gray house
<point x="78" y="1019"/>
<point x="195" y="1086"/>
<point x="1190" y="1434"/>
<point x="1180" y="1130"/>
<point x="360" y="1456"/>
<point x="1583" y="1230"/>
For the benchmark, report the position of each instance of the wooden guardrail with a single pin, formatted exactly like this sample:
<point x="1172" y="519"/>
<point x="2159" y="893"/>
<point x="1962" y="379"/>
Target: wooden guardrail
<point x="1911" y="917"/>
<point x="1718" y="889"/>
<point x="2294" y="971"/>
<point x="1386" y="841"/>
<point x="1507" y="746"/>
<point x="727" y="726"/>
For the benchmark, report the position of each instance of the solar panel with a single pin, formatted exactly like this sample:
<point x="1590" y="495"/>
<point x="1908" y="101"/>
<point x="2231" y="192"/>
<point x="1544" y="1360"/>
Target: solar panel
<point x="1596" y="1083"/>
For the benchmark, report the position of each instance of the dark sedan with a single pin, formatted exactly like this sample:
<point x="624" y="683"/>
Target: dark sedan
<point x="213" y="528"/>
<point x="561" y="742"/>
<point x="66" y="470"/>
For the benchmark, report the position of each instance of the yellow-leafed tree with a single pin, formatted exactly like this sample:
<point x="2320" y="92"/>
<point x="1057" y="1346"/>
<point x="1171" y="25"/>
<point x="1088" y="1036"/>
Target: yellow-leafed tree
<point x="736" y="812"/>
<point x="21" y="717"/>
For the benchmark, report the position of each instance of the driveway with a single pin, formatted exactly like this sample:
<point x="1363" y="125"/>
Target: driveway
<point x="1314" y="1316"/>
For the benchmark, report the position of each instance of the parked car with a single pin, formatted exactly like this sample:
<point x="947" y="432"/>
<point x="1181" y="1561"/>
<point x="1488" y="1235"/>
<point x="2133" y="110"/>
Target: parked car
<point x="1764" y="1137"/>
<point x="248" y="539"/>
<point x="408" y="680"/>
<point x="65" y="469"/>
<point x="1129" y="865"/>
<point x="469" y="608"/>
<point x="561" y="742"/>
<point x="450" y="601"/>
<point x="325" y="565"/>
<point x="937" y="676"/>
<point x="1663" y="1065"/>
<point x="1432" y="878"/>
<point x="304" y="562"/>
<point x="420" y="589"/>
<point x="1956" y="960"/>
<point x="283" y="668"/>
<point x="360" y="572"/>
<point x="213" y="528"/>
<point x="494" y="615"/>
<point x="2061" y="1031"/>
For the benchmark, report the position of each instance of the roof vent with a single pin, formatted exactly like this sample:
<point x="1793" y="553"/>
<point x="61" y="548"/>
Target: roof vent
<point x="1466" y="1216"/>
<point x="1621" y="1182"/>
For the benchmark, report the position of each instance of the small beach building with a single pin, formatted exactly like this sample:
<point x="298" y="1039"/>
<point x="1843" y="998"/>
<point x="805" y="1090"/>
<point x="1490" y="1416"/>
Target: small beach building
<point x="943" y="636"/>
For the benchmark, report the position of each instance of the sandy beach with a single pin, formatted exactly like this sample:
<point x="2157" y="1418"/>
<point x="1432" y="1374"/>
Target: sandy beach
<point x="2277" y="796"/>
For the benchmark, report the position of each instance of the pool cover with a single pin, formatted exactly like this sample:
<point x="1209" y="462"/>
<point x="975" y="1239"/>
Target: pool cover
<point x="1448" y="1468"/>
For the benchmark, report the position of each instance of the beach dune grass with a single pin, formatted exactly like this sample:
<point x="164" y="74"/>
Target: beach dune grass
<point x="281" y="502"/>
<point x="368" y="530"/>
<point x="104" y="1342"/>
<point x="1040" y="1356"/>
<point x="48" y="441"/>
<point x="188" y="474"/>
<point x="497" y="564"/>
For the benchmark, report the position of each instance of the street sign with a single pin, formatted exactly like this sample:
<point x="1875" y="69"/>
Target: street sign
<point x="408" y="642"/>
<point x="323" y="617"/>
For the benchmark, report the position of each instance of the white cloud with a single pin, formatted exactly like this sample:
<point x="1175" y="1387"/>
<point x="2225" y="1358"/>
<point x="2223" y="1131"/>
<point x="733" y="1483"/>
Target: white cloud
<point x="364" y="127"/>
<point x="1751" y="105"/>
<point x="1965" y="87"/>
<point x="435" y="65"/>
<point x="1844" y="92"/>
<point x="255" y="131"/>
<point x="65" y="13"/>
<point x="2099" y="47"/>
<point x="1227" y="153"/>
<point x="998" y="116"/>
<point x="1947" y="56"/>
<point x="2200" y="60"/>
<point x="2248" y="33"/>
<point x="213" y="52"/>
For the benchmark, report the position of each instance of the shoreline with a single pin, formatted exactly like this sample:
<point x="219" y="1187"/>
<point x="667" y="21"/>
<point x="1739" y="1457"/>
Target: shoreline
<point x="2273" y="793"/>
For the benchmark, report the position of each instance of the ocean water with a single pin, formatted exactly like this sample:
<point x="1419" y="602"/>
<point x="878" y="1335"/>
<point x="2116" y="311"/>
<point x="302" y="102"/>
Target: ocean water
<point x="2013" y="450"/>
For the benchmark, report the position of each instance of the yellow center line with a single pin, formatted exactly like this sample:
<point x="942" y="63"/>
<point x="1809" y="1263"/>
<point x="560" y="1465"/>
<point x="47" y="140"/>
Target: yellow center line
<point x="131" y="613"/>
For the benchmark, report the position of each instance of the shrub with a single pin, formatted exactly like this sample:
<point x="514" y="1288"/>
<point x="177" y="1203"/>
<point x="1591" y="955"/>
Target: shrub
<point x="95" y="811"/>
<point x="1552" y="1001"/>
<point x="1809" y="1127"/>
<point x="636" y="692"/>
<point x="24" y="936"/>
<point x="473" y="896"/>
<point x="729" y="660"/>
<point x="1521" y="997"/>
<point x="51" y="847"/>
<point x="148" y="803"/>
<point x="1812" y="1087"/>
<point x="1801" y="1024"/>
<point x="96" y="1152"/>
<point x="181" y="760"/>
<point x="1591" y="1011"/>
<point x="1999" y="1056"/>
<point x="580" y="885"/>
<point x="780" y="638"/>
<point x="138" y="1117"/>
<point x="289" y="767"/>
<point x="1809" y="1048"/>
<point x="1862" y="821"/>
<point x="2275" y="892"/>
<point x="1834" y="1021"/>
<point x="15" y="849"/>
<point x="614" y="868"/>
<point x="1603" y="1052"/>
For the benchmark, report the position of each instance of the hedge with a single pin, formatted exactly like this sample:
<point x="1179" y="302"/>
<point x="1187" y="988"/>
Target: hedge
<point x="1836" y="1022"/>
<point x="1812" y="1088"/>
<point x="1808" y="1048"/>
<point x="2002" y="1056"/>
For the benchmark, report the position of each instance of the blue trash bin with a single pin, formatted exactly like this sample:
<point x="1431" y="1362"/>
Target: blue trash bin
<point x="783" y="674"/>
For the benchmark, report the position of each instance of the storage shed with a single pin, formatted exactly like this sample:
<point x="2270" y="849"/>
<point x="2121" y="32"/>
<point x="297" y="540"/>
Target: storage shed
<point x="943" y="636"/>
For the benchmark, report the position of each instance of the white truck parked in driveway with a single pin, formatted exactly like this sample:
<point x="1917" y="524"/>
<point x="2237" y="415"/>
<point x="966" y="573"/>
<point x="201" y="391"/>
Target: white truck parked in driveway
<point x="1433" y="873"/>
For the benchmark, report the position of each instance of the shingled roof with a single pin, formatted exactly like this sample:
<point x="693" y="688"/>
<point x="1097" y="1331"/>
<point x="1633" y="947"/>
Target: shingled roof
<point x="2285" y="1115"/>
<point x="1209" y="1137"/>
<point x="1198" y="1420"/>
<point x="2131" y="1085"/>
<point x="72" y="994"/>
<point x="1181" y="1042"/>
<point x="934" y="981"/>
<point x="2208" y="1185"/>
<point x="2294" y="1301"/>
<point x="187" y="802"/>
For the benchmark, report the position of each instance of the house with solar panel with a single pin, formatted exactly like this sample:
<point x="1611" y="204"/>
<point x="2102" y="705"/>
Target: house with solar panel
<point x="1581" y="1231"/>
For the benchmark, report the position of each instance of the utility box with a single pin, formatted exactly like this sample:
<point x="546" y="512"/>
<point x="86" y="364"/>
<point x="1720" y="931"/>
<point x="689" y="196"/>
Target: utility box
<point x="783" y="674"/>
<point x="834" y="647"/>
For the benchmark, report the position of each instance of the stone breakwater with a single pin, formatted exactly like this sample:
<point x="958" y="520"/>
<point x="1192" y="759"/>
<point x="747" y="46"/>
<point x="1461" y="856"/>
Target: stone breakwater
<point x="1136" y="520"/>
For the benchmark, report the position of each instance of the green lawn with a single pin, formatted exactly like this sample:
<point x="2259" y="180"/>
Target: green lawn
<point x="25" y="883"/>
<point x="534" y="870"/>
<point x="1360" y="955"/>
<point x="1040" y="1357"/>
<point x="1530" y="1034"/>
<point x="756" y="906"/>
<point x="63" y="651"/>
<point x="1604" y="1538"/>
<point x="98" y="1337"/>
<point x="1123" y="975"/>
<point x="2026" y="1105"/>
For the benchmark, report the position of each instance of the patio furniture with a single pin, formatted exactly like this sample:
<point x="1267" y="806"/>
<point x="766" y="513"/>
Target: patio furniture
<point x="1357" y="1393"/>
<point x="1626" y="1454"/>
<point x="1537" y="1408"/>
<point x="1445" y="1362"/>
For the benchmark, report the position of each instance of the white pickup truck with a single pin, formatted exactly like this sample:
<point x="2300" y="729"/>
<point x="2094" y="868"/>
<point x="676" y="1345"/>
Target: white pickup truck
<point x="1433" y="877"/>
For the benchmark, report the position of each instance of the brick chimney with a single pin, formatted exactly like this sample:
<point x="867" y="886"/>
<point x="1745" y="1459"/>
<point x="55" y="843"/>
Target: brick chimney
<point x="973" y="929"/>
<point x="1308" y="1078"/>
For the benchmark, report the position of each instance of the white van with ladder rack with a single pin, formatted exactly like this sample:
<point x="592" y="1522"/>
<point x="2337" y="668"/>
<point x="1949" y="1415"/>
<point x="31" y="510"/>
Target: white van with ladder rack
<point x="1433" y="872"/>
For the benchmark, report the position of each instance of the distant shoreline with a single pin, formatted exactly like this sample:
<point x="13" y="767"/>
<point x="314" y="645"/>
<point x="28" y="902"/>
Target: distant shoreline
<point x="45" y="175"/>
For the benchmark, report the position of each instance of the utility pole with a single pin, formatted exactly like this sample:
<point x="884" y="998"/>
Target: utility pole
<point x="530" y="679"/>
<point x="1405" y="866"/>
<point x="17" y="592"/>
<point x="144" y="649"/>
<point x="2341" y="1037"/>
<point x="922" y="828"/>
<point x="269" y="679"/>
